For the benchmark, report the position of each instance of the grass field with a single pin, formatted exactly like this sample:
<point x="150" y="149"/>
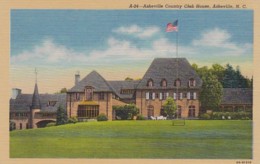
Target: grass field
<point x="136" y="139"/>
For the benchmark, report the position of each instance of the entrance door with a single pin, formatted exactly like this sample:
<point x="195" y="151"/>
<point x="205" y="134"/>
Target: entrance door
<point x="191" y="111"/>
<point x="150" y="111"/>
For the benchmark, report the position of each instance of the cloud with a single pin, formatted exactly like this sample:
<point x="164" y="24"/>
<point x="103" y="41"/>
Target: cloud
<point x="48" y="52"/>
<point x="219" y="41"/>
<point x="137" y="31"/>
<point x="213" y="43"/>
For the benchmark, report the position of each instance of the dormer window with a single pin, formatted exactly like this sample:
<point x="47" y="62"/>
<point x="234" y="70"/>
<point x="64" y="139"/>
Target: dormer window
<point x="89" y="93"/>
<point x="177" y="83"/>
<point x="51" y="103"/>
<point x="164" y="83"/>
<point x="150" y="83"/>
<point x="192" y="82"/>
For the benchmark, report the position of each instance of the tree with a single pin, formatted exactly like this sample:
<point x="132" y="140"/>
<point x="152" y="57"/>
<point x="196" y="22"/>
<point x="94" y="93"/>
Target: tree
<point x="218" y="70"/>
<point x="126" y="112"/>
<point x="61" y="116"/>
<point x="11" y="125"/>
<point x="63" y="90"/>
<point x="129" y="79"/>
<point x="211" y="92"/>
<point x="170" y="107"/>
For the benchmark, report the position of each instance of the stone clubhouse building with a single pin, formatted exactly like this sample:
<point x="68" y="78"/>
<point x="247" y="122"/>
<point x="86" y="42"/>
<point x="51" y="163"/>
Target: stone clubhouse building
<point x="94" y="95"/>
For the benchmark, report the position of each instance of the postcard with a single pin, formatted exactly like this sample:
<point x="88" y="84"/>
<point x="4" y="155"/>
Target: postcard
<point x="135" y="82"/>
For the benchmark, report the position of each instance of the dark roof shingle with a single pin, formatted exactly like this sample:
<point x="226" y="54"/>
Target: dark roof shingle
<point x="237" y="96"/>
<point x="93" y="79"/>
<point x="117" y="86"/>
<point x="167" y="68"/>
<point x="23" y="102"/>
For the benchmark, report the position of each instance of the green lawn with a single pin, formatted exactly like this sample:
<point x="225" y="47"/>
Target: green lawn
<point x="136" y="139"/>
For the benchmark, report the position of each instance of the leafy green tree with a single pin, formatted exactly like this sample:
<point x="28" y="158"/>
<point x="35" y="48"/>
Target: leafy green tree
<point x="211" y="92"/>
<point x="170" y="107"/>
<point x="218" y="70"/>
<point x="63" y="90"/>
<point x="61" y="116"/>
<point x="126" y="112"/>
<point x="129" y="79"/>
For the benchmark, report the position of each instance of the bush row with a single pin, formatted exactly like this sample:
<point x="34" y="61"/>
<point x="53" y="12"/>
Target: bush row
<point x="226" y="115"/>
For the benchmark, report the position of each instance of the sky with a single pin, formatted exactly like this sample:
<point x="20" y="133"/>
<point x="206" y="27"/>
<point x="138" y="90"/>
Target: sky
<point x="121" y="43"/>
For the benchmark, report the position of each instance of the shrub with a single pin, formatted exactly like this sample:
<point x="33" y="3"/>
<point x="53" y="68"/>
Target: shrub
<point x="126" y="112"/>
<point x="73" y="120"/>
<point x="11" y="125"/>
<point x="232" y="115"/>
<point x="205" y="116"/>
<point x="140" y="117"/>
<point x="102" y="117"/>
<point x="51" y="124"/>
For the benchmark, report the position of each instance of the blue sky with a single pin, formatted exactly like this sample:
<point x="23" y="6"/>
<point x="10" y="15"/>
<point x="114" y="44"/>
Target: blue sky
<point x="121" y="43"/>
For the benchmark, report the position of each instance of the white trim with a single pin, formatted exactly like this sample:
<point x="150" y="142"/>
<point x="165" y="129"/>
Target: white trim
<point x="174" y="96"/>
<point x="194" y="95"/>
<point x="153" y="95"/>
<point x="167" y="94"/>
<point x="147" y="95"/>
<point x="160" y="96"/>
<point x="180" y="95"/>
<point x="188" y="95"/>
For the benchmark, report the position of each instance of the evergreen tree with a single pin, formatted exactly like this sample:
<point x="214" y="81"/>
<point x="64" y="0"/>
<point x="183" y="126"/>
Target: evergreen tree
<point x="61" y="116"/>
<point x="211" y="92"/>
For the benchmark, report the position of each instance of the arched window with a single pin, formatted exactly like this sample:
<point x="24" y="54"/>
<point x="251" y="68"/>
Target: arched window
<point x="150" y="83"/>
<point x="164" y="83"/>
<point x="192" y="82"/>
<point x="177" y="83"/>
<point x="191" y="111"/>
<point x="179" y="111"/>
<point x="150" y="111"/>
<point x="89" y="93"/>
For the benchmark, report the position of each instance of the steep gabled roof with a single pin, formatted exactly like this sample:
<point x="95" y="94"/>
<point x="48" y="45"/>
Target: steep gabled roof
<point x="93" y="79"/>
<point x="166" y="68"/>
<point x="117" y="86"/>
<point x="237" y="96"/>
<point x="23" y="102"/>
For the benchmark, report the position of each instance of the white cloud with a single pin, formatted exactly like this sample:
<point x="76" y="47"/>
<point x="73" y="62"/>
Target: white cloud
<point x="219" y="41"/>
<point x="137" y="31"/>
<point x="48" y="52"/>
<point x="213" y="43"/>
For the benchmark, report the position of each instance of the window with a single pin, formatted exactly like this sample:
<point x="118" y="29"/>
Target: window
<point x="177" y="83"/>
<point x="164" y="95"/>
<point x="191" y="96"/>
<point x="164" y="83"/>
<point x="86" y="111"/>
<point x="192" y="111"/>
<point x="27" y="126"/>
<point x="179" y="111"/>
<point x="150" y="95"/>
<point x="77" y="96"/>
<point x="89" y="93"/>
<point x="150" y="83"/>
<point x="178" y="96"/>
<point x="51" y="103"/>
<point x="101" y="96"/>
<point x="21" y="126"/>
<point x="150" y="111"/>
<point x="192" y="82"/>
